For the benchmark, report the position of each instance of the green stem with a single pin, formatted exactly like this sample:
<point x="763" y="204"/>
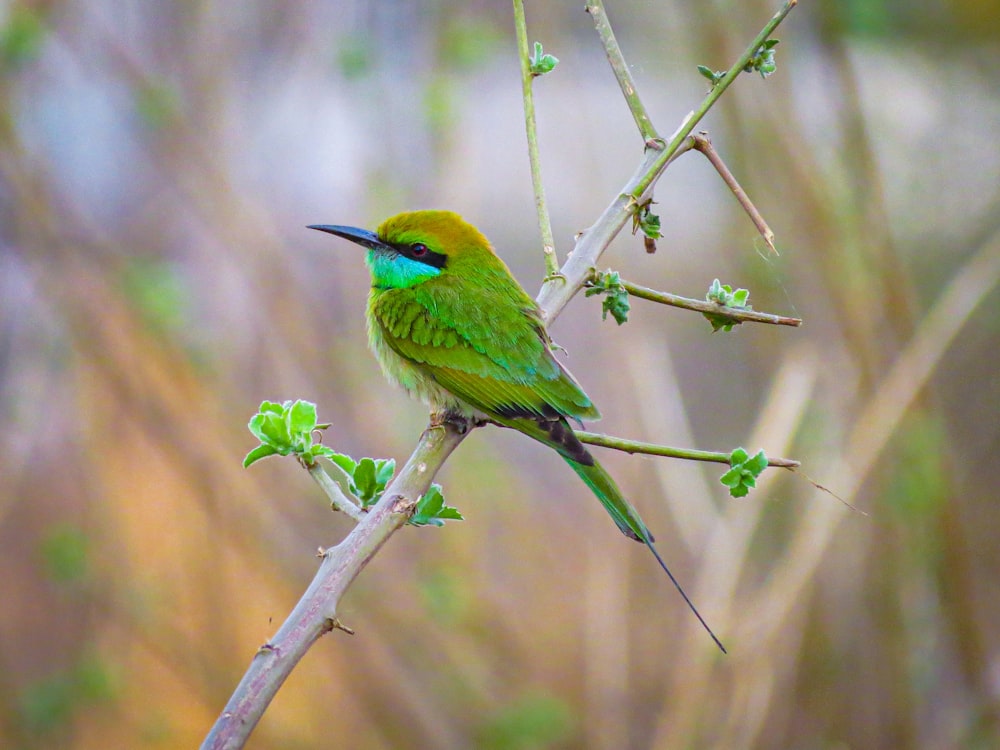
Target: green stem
<point x="653" y="449"/>
<point x="544" y="224"/>
<point x="556" y="292"/>
<point x="717" y="90"/>
<point x="617" y="61"/>
<point x="704" y="306"/>
<point x="338" y="498"/>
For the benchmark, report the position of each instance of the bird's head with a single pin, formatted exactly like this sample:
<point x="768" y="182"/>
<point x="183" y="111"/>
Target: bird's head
<point x="410" y="248"/>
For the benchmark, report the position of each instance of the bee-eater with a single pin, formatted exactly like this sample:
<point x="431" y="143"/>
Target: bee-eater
<point x="450" y="324"/>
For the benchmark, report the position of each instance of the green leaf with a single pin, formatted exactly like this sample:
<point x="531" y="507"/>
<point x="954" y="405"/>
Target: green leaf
<point x="261" y="451"/>
<point x="649" y="223"/>
<point x="431" y="503"/>
<point x="322" y="451"/>
<point x="713" y="75"/>
<point x="284" y="428"/>
<point x="540" y="63"/>
<point x="731" y="478"/>
<point x="270" y="407"/>
<point x="739" y="491"/>
<point x="724" y="296"/>
<point x="346" y="463"/>
<point x="272" y="430"/>
<point x="757" y="464"/>
<point x="365" y="481"/>
<point x="384" y="469"/>
<point x="302" y="417"/>
<point x="616" y="299"/>
<point x="742" y="476"/>
<point x="763" y="60"/>
<point x="450" y="513"/>
<point x="432" y="511"/>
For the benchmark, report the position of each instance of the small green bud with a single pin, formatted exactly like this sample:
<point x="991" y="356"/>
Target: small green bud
<point x="540" y="63"/>
<point x="724" y="296"/>
<point x="712" y="75"/>
<point x="742" y="476"/>
<point x="615" y="300"/>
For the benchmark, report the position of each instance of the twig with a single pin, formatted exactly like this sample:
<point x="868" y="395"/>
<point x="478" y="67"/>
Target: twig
<point x="544" y="223"/>
<point x="664" y="156"/>
<point x="704" y="306"/>
<point x="653" y="449"/>
<point x="316" y="612"/>
<point x="555" y="294"/>
<point x="338" y="498"/>
<point x="703" y="144"/>
<point x="621" y="71"/>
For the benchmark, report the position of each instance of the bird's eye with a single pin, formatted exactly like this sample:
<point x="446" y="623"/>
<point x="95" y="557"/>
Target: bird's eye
<point x="418" y="249"/>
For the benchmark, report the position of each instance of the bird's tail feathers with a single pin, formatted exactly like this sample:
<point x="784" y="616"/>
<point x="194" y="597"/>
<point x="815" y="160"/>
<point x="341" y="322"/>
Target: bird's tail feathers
<point x="628" y="520"/>
<point x="559" y="435"/>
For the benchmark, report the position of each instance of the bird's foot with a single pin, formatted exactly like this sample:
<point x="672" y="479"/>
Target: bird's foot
<point x="458" y="421"/>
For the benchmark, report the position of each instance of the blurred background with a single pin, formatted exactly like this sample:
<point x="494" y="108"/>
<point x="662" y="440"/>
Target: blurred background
<point x="158" y="164"/>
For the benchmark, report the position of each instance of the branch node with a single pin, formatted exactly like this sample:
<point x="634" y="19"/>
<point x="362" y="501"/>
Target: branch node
<point x="334" y="623"/>
<point x="268" y="648"/>
<point x="403" y="505"/>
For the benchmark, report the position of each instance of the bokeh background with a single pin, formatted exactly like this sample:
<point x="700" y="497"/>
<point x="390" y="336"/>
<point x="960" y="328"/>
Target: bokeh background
<point x="158" y="164"/>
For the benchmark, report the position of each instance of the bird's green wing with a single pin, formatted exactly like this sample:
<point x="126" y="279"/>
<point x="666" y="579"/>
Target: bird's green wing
<point x="494" y="357"/>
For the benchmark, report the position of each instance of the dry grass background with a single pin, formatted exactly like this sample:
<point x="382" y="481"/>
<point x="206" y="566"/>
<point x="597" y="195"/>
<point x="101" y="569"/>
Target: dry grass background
<point x="158" y="164"/>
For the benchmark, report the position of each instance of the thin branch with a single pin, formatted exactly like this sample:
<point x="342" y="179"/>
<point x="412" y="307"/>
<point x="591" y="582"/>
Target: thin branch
<point x="556" y="293"/>
<point x="653" y="449"/>
<point x="678" y="138"/>
<point x="703" y="144"/>
<point x="338" y="498"/>
<point x="544" y="223"/>
<point x="316" y="612"/>
<point x="704" y="306"/>
<point x="621" y="71"/>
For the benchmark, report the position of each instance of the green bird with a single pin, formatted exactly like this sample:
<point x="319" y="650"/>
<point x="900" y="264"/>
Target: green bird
<point x="450" y="324"/>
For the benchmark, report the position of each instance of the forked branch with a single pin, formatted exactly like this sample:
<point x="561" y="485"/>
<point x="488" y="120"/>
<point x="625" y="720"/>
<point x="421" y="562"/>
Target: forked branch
<point x="316" y="612"/>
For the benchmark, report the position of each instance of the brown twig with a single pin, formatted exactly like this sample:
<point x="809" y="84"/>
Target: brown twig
<point x="701" y="142"/>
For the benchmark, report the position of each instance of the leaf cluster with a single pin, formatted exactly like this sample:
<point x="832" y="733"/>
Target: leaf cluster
<point x="289" y="429"/>
<point x="286" y="429"/>
<point x="742" y="476"/>
<point x="723" y="295"/>
<point x="762" y="61"/>
<point x="615" y="300"/>
<point x="540" y="62"/>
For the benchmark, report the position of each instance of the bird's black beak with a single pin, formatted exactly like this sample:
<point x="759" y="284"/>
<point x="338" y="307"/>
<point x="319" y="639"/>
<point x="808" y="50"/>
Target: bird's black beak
<point x="362" y="237"/>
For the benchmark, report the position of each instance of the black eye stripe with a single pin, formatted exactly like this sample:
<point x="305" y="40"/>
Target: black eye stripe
<point x="421" y="253"/>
